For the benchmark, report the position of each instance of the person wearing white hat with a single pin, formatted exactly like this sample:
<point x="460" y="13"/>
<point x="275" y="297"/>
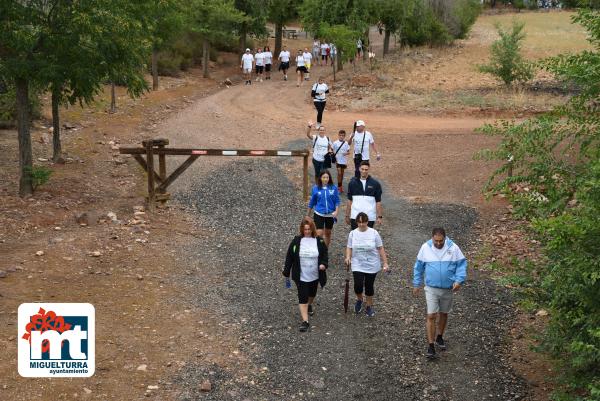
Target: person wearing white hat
<point x="246" y="66"/>
<point x="363" y="141"/>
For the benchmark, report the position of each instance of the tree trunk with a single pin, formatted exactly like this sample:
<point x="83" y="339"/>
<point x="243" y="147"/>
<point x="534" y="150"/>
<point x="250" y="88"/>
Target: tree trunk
<point x="340" y="64"/>
<point x="278" y="39"/>
<point x="23" y="125"/>
<point x="243" y="31"/>
<point x="56" y="147"/>
<point x="386" y="42"/>
<point x="205" y="57"/>
<point x="333" y="66"/>
<point x="113" y="98"/>
<point x="154" y="69"/>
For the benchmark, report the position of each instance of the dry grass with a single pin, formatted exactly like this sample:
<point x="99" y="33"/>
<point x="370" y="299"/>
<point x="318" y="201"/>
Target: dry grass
<point x="447" y="79"/>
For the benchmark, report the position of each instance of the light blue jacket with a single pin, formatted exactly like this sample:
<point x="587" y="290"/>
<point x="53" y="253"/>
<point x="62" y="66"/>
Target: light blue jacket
<point x="440" y="272"/>
<point x="324" y="200"/>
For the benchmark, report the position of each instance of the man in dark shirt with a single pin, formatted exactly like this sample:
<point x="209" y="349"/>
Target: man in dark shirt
<point x="364" y="195"/>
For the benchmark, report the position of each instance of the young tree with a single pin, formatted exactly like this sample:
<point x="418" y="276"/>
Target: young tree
<point x="506" y="62"/>
<point x="255" y="22"/>
<point x="212" y="20"/>
<point x="393" y="15"/>
<point x="280" y="13"/>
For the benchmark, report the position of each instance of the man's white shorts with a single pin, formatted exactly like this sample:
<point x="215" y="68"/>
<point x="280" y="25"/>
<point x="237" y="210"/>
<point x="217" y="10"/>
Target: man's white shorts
<point x="438" y="300"/>
<point x="247" y="70"/>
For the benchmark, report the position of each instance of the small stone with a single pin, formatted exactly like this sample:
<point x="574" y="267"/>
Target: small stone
<point x="39" y="253"/>
<point x="142" y="368"/>
<point x="11" y="269"/>
<point x="138" y="209"/>
<point x="152" y="387"/>
<point x="112" y="216"/>
<point x="67" y="258"/>
<point x="139" y="277"/>
<point x="3" y="274"/>
<point x="87" y="390"/>
<point x="96" y="254"/>
<point x="542" y="312"/>
<point x="57" y="228"/>
<point x="82" y="218"/>
<point x="206" y="386"/>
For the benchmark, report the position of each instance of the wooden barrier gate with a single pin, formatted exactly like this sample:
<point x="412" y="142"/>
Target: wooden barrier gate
<point x="158" y="147"/>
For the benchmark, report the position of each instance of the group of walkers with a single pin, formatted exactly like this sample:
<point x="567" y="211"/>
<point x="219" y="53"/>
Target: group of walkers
<point x="440" y="266"/>
<point x="261" y="62"/>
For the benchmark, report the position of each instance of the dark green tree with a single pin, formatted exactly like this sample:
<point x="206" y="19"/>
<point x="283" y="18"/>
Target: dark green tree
<point x="280" y="13"/>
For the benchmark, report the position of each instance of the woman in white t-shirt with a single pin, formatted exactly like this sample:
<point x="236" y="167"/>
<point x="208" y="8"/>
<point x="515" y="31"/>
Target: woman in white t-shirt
<point x="365" y="253"/>
<point x="321" y="145"/>
<point x="268" y="62"/>
<point x="341" y="149"/>
<point x="259" y="59"/>
<point x="306" y="262"/>
<point x="300" y="67"/>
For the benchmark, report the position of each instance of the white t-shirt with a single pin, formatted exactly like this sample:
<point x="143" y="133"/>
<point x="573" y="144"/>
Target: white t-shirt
<point x="300" y="61"/>
<point x="284" y="55"/>
<point x="340" y="157"/>
<point x="320" y="89"/>
<point x="316" y="45"/>
<point x="268" y="57"/>
<point x="332" y="49"/>
<point x="247" y="60"/>
<point x="320" y="147"/>
<point x="260" y="59"/>
<point x="309" y="260"/>
<point x="307" y="57"/>
<point x="358" y="140"/>
<point x="365" y="256"/>
<point x="364" y="184"/>
<point x="324" y="47"/>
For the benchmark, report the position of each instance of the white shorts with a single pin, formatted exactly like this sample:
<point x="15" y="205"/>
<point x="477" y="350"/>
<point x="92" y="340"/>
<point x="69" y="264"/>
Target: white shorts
<point x="247" y="70"/>
<point x="438" y="300"/>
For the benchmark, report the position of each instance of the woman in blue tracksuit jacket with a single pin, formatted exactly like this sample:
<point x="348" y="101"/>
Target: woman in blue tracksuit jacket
<point x="325" y="201"/>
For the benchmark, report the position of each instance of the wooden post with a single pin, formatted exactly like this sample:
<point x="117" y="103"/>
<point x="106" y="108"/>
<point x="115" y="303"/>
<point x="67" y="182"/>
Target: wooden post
<point x="150" y="163"/>
<point x="162" y="166"/>
<point x="305" y="177"/>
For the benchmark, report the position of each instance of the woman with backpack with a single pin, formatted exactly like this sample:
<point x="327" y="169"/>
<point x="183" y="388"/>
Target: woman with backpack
<point x="325" y="201"/>
<point x="321" y="146"/>
<point x="319" y="93"/>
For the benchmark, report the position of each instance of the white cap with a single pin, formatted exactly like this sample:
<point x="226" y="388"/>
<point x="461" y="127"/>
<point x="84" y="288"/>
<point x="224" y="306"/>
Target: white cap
<point x="247" y="50"/>
<point x="360" y="123"/>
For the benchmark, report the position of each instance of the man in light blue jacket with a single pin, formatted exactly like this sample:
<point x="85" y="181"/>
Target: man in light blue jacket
<point x="444" y="267"/>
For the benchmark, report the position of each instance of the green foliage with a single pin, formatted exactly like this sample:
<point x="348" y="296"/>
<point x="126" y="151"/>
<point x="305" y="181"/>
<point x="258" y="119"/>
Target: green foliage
<point x="465" y="14"/>
<point x="8" y="110"/>
<point x="507" y="63"/>
<point x="556" y="157"/>
<point x="356" y="15"/>
<point x="344" y="39"/>
<point x="424" y="27"/>
<point x="39" y="175"/>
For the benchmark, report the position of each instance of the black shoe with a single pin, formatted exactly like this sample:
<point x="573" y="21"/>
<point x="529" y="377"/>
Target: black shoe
<point x="431" y="351"/>
<point x="305" y="326"/>
<point x="439" y="341"/>
<point x="311" y="311"/>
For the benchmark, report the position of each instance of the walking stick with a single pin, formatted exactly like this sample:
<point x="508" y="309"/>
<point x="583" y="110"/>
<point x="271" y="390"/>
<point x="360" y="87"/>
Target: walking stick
<point x="346" y="290"/>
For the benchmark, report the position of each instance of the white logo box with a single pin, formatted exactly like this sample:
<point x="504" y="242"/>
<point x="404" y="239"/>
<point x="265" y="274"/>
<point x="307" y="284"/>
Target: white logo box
<point x="79" y="362"/>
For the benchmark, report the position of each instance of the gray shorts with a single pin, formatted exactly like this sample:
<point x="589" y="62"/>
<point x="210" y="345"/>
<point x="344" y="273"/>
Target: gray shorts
<point x="438" y="300"/>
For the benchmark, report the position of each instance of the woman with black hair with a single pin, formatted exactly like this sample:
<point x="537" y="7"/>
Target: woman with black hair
<point x="325" y="201"/>
<point x="365" y="253"/>
<point x="306" y="262"/>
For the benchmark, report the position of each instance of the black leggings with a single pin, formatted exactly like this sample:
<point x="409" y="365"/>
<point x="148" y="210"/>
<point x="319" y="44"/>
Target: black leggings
<point x="306" y="290"/>
<point x="366" y="280"/>
<point x="320" y="106"/>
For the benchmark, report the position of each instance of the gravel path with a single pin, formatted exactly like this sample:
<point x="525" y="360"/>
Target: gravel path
<point x="253" y="211"/>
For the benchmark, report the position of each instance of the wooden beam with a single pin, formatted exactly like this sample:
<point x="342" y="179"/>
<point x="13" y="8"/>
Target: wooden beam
<point x="142" y="163"/>
<point x="214" y="152"/>
<point x="305" y="177"/>
<point x="190" y="160"/>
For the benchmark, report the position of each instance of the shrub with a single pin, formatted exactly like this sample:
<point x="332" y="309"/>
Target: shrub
<point x="465" y="14"/>
<point x="39" y="175"/>
<point x="557" y="158"/>
<point x="507" y="63"/>
<point x="424" y="27"/>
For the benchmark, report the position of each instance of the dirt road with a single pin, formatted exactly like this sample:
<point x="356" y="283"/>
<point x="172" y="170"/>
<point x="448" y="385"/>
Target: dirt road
<point x="252" y="208"/>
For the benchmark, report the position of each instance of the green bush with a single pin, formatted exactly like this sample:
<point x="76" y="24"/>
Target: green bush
<point x="464" y="15"/>
<point x="507" y="63"/>
<point x="424" y="27"/>
<point x="39" y="175"/>
<point x="556" y="185"/>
